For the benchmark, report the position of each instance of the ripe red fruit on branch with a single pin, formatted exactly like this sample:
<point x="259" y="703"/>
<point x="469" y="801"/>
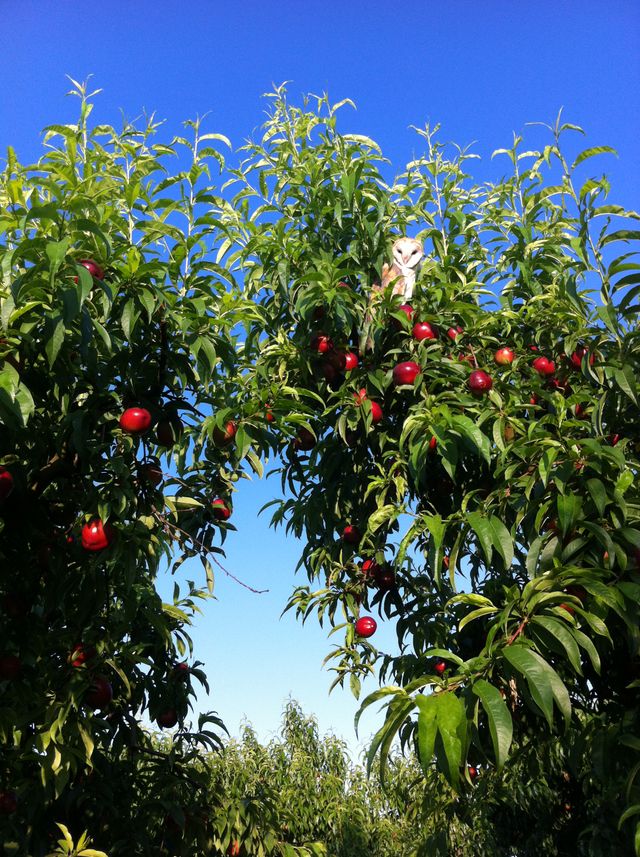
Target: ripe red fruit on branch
<point x="234" y="847"/>
<point x="152" y="472"/>
<point x="135" y="420"/>
<point x="224" y="436"/>
<point x="81" y="654"/>
<point x="221" y="511"/>
<point x="167" y="719"/>
<point x="578" y="355"/>
<point x="473" y="772"/>
<point x="440" y="666"/>
<point x="321" y="343"/>
<point x="433" y="443"/>
<point x="504" y="356"/>
<point x="350" y="361"/>
<point x="544" y="367"/>
<point x="305" y="440"/>
<point x="8" y="802"/>
<point x="453" y="332"/>
<point x="405" y="373"/>
<point x="385" y="578"/>
<point x="366" y="626"/>
<point x="169" y="432"/>
<point x="10" y="667"/>
<point x="351" y="534"/>
<point x="369" y="568"/>
<point x="92" y="267"/>
<point x="479" y="382"/>
<point x="407" y="309"/>
<point x="96" y="535"/>
<point x="181" y="672"/>
<point x="376" y="410"/>
<point x="6" y="483"/>
<point x="99" y="694"/>
<point x="423" y="330"/>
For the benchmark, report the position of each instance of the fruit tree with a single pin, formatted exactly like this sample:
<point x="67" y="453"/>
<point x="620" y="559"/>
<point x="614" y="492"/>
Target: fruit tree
<point x="497" y="480"/>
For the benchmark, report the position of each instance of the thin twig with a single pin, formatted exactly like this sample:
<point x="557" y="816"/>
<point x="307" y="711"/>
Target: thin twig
<point x="203" y="550"/>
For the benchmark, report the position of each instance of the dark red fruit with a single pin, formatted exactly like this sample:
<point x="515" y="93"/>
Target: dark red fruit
<point x="92" y="267"/>
<point x="268" y="414"/>
<point x="440" y="666"/>
<point x="453" y="332"/>
<point x="8" y="802"/>
<point x="504" y="356"/>
<point x="321" y="343"/>
<point x="234" y="847"/>
<point x="473" y="772"/>
<point x="181" y="672"/>
<point x="82" y="654"/>
<point x="376" y="410"/>
<point x="423" y="330"/>
<point x="351" y="534"/>
<point x="6" y="483"/>
<point x="169" y="432"/>
<point x="366" y="626"/>
<point x="152" y="472"/>
<point x="96" y="535"/>
<point x="221" y="512"/>
<point x="479" y="382"/>
<point x="544" y="367"/>
<point x="578" y="355"/>
<point x="433" y="443"/>
<point x="135" y="421"/>
<point x="10" y="667"/>
<point x="407" y="309"/>
<point x="304" y="441"/>
<point x="350" y="361"/>
<point x="384" y="577"/>
<point x="99" y="694"/>
<point x="167" y="719"/>
<point x="369" y="568"/>
<point x="405" y="373"/>
<point x="224" y="436"/>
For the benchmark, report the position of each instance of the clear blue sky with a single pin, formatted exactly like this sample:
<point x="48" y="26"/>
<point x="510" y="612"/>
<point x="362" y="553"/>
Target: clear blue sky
<point x="480" y="69"/>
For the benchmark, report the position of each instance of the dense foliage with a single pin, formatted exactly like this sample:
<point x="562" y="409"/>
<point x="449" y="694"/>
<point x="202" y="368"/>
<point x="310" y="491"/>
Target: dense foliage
<point x="496" y="527"/>
<point x="495" y="524"/>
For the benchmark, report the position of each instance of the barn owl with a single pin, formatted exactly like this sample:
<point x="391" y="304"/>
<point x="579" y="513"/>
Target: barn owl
<point x="407" y="256"/>
<point x="400" y="275"/>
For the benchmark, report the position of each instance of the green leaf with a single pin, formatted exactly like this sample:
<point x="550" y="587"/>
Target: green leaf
<point x="625" y="379"/>
<point x="452" y="730"/>
<point x="382" y="516"/>
<point x="598" y="494"/>
<point x="590" y="153"/>
<point x="483" y="530"/>
<point x="568" y="506"/>
<point x="543" y="682"/>
<point x="561" y="633"/>
<point x="55" y="337"/>
<point x="499" y="717"/>
<point x="501" y="539"/>
<point x="476" y="614"/>
<point x="442" y="716"/>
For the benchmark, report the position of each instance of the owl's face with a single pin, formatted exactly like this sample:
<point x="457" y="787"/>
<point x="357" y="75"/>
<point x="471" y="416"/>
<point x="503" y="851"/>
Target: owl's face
<point x="407" y="252"/>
